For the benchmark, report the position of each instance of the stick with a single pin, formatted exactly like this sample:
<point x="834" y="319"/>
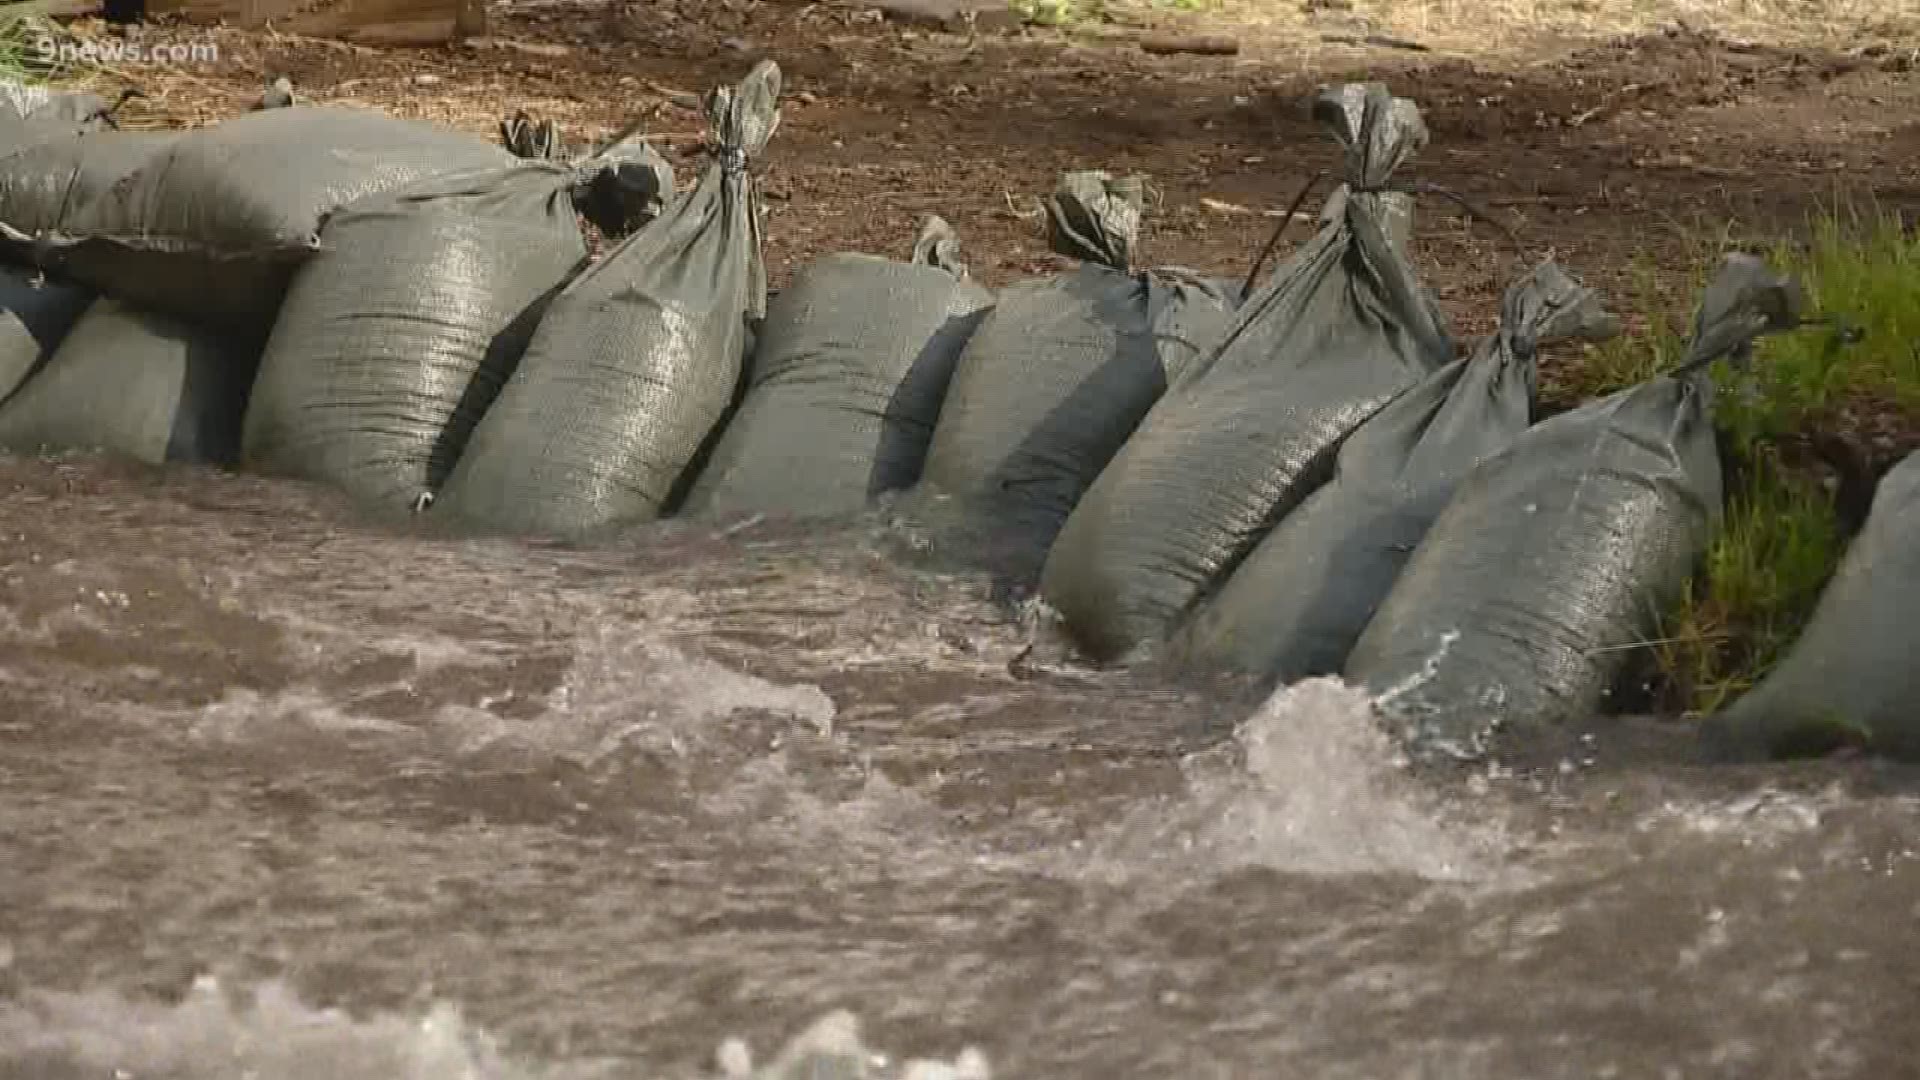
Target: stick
<point x="1204" y="45"/>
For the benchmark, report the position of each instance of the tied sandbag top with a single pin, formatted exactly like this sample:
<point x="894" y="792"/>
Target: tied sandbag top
<point x="1095" y="218"/>
<point x="630" y="184"/>
<point x="1851" y="677"/>
<point x="845" y="383"/>
<point x="1556" y="559"/>
<point x="1295" y="606"/>
<point x="635" y="363"/>
<point x="1250" y="428"/>
<point x="1057" y="376"/>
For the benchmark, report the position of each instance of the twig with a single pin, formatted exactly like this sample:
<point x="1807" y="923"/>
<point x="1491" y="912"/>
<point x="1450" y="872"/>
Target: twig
<point x="1380" y="40"/>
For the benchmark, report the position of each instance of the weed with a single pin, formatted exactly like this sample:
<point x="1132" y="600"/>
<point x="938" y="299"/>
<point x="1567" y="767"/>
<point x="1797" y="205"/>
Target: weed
<point x="1780" y="541"/>
<point x="25" y="30"/>
<point x="1062" y="13"/>
<point x="1762" y="575"/>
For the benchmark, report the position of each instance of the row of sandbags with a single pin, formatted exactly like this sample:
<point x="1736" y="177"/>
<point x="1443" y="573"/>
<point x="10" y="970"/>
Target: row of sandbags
<point x="327" y="293"/>
<point x="1307" y="480"/>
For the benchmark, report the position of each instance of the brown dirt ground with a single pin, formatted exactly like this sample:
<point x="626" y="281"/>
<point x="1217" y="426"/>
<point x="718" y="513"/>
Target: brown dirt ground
<point x="1598" y="151"/>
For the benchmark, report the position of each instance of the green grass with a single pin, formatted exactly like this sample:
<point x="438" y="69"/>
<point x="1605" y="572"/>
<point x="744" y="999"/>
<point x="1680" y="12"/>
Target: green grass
<point x="1780" y="542"/>
<point x="24" y="27"/>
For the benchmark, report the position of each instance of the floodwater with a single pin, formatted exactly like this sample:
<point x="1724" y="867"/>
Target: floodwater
<point x="288" y="795"/>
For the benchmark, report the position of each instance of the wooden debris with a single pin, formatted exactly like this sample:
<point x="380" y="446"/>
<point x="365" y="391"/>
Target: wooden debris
<point x="1200" y="44"/>
<point x="1382" y="41"/>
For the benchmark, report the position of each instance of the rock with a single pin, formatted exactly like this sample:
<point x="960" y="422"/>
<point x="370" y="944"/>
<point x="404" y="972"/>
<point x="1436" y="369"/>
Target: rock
<point x="426" y="80"/>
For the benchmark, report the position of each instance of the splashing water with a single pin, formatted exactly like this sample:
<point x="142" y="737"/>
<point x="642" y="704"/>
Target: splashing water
<point x="213" y="1034"/>
<point x="1318" y="788"/>
<point x="498" y="811"/>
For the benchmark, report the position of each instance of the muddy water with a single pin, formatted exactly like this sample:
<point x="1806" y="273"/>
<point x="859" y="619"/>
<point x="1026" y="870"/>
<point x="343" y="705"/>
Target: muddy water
<point x="287" y="795"/>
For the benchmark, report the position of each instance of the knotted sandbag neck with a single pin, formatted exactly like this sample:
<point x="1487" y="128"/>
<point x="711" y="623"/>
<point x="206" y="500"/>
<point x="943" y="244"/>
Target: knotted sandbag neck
<point x="1406" y="187"/>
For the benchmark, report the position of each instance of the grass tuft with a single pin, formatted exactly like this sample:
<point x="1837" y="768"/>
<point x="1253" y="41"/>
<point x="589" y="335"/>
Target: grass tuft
<point x="26" y="29"/>
<point x="1780" y="541"/>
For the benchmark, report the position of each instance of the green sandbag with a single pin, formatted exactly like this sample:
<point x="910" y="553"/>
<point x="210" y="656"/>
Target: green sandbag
<point x="637" y="361"/>
<point x="398" y="334"/>
<point x="1057" y="377"/>
<point x="845" y="384"/>
<point x="212" y="225"/>
<point x="136" y="384"/>
<point x="1556" y="559"/>
<point x="1852" y="676"/>
<point x="1295" y="607"/>
<point x="1251" y="429"/>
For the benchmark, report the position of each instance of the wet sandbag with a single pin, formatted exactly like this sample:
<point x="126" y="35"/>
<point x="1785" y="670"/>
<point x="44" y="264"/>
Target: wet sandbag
<point x="1249" y="431"/>
<point x="846" y="383"/>
<point x="35" y="316"/>
<point x="1059" y="374"/>
<point x="1852" y="675"/>
<point x="636" y="362"/>
<point x="1296" y="605"/>
<point x="396" y="336"/>
<point x="1557" y="558"/>
<point x="136" y="384"/>
<point x="213" y="225"/>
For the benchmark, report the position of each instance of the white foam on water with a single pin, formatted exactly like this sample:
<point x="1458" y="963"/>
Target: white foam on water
<point x="627" y="685"/>
<point x="211" y="1036"/>
<point x="1319" y="788"/>
<point x="269" y="1033"/>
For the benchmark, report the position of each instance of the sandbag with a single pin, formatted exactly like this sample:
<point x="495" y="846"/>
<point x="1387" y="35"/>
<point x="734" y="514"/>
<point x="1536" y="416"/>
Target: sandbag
<point x="43" y="178"/>
<point x="31" y="101"/>
<point x="1058" y="375"/>
<point x="137" y="384"/>
<point x="636" y="362"/>
<point x="1295" y="606"/>
<point x="1557" y="558"/>
<point x="212" y="226"/>
<point x="846" y="383"/>
<point x="398" y="334"/>
<point x="1851" y="676"/>
<point x="1341" y="328"/>
<point x="35" y="316"/>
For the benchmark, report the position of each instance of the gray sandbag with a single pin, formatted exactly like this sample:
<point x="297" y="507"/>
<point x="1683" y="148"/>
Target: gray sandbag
<point x="1557" y="558"/>
<point x="1296" y="605"/>
<point x="1057" y="377"/>
<point x="637" y="361"/>
<point x="845" y="384"/>
<point x="1852" y="676"/>
<point x="36" y="102"/>
<point x="30" y="112"/>
<point x="211" y="226"/>
<point x="137" y="384"/>
<point x="396" y="336"/>
<point x="43" y="178"/>
<point x="35" y="316"/>
<point x="1249" y="431"/>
